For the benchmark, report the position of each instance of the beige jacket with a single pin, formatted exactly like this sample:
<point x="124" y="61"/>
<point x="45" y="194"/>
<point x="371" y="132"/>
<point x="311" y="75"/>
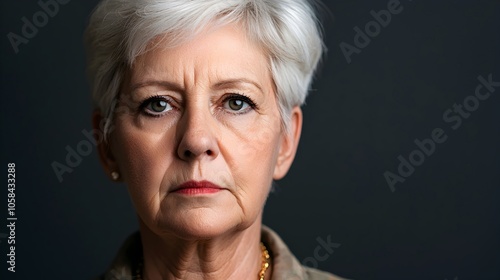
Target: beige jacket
<point x="285" y="265"/>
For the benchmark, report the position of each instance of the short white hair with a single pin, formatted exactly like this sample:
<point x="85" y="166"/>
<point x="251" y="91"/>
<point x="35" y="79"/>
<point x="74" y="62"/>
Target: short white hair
<point x="121" y="30"/>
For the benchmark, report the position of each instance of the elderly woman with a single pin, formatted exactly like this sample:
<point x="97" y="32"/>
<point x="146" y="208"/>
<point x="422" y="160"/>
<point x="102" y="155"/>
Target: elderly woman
<point x="199" y="104"/>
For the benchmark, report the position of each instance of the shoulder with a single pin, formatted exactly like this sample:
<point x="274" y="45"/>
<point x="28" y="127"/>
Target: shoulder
<point x="285" y="265"/>
<point x="125" y="261"/>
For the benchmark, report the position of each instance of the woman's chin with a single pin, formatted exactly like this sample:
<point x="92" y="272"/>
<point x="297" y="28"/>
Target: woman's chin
<point x="199" y="224"/>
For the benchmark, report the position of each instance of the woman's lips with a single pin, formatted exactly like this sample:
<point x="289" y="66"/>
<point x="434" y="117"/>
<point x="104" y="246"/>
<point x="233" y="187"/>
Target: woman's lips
<point x="194" y="187"/>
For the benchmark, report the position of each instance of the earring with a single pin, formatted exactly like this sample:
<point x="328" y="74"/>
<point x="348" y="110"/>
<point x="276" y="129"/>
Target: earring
<point x="115" y="175"/>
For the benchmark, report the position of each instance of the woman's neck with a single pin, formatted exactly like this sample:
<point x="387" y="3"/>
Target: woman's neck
<point x="234" y="255"/>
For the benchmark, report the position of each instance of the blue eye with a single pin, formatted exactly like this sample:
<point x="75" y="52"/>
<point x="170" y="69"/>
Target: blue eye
<point x="156" y="106"/>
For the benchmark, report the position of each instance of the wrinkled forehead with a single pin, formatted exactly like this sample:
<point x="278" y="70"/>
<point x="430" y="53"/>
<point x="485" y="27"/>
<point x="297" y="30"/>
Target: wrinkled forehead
<point x="213" y="57"/>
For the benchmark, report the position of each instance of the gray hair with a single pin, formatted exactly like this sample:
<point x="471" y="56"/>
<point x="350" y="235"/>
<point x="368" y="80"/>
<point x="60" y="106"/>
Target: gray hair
<point x="121" y="30"/>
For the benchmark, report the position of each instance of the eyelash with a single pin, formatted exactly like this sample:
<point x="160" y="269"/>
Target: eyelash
<point x="242" y="97"/>
<point x="147" y="101"/>
<point x="228" y="97"/>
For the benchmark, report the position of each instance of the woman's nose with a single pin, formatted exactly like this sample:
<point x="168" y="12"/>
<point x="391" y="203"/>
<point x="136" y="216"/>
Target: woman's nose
<point x="198" y="138"/>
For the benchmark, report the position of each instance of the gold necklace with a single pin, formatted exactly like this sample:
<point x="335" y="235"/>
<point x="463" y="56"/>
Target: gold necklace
<point x="265" y="261"/>
<point x="262" y="274"/>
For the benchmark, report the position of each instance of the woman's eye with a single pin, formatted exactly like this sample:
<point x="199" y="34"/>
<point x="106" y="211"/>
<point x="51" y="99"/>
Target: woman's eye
<point x="238" y="103"/>
<point x="156" y="106"/>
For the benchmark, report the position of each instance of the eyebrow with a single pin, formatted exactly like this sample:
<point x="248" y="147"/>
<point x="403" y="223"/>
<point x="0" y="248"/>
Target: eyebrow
<point x="165" y="84"/>
<point x="236" y="82"/>
<point x="176" y="87"/>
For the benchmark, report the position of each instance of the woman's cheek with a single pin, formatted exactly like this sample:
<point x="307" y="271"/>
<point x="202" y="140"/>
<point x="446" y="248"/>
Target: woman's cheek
<point x="137" y="157"/>
<point x="252" y="134"/>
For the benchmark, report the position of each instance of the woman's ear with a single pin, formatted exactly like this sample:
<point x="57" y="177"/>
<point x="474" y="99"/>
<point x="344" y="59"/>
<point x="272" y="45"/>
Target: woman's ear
<point x="289" y="144"/>
<point x="106" y="157"/>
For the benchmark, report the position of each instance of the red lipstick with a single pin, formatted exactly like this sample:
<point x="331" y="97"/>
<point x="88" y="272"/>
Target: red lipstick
<point x="194" y="188"/>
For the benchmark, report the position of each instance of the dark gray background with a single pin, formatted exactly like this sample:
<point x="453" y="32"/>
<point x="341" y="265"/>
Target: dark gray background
<point x="443" y="222"/>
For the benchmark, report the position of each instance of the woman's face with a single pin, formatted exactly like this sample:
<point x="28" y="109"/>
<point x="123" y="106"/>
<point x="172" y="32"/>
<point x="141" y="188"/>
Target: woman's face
<point x="202" y="111"/>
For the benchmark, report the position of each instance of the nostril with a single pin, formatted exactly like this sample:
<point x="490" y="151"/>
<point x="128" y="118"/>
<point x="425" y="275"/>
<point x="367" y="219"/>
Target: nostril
<point x="189" y="154"/>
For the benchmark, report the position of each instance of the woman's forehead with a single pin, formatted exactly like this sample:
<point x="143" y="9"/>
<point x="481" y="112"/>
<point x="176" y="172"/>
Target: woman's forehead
<point x="222" y="55"/>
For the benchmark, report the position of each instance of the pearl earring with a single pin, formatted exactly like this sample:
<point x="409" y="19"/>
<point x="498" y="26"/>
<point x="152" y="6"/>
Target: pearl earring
<point x="115" y="175"/>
